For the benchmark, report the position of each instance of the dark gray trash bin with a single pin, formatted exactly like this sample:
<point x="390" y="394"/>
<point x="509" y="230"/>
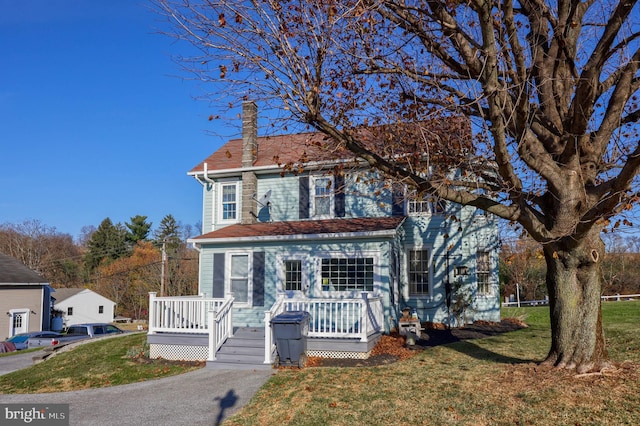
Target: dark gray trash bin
<point x="290" y="331"/>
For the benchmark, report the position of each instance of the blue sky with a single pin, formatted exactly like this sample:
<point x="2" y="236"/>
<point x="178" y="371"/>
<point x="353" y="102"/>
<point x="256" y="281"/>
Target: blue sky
<point x="94" y="119"/>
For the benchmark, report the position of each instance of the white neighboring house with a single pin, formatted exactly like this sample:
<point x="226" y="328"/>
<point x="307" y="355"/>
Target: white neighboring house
<point x="81" y="305"/>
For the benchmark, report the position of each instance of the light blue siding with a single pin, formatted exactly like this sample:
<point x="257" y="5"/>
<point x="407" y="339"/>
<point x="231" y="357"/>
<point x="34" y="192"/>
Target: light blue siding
<point x="365" y="199"/>
<point x="311" y="251"/>
<point x="206" y="273"/>
<point x="284" y="196"/>
<point x="454" y="243"/>
<point x="208" y="194"/>
<point x="452" y="239"/>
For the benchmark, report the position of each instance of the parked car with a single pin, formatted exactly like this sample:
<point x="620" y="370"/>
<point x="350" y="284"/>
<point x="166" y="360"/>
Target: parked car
<point x="33" y="339"/>
<point x="93" y="330"/>
<point x="80" y="332"/>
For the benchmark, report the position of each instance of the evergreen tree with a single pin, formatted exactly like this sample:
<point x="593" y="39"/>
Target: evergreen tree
<point x="138" y="229"/>
<point x="108" y="242"/>
<point x="169" y="232"/>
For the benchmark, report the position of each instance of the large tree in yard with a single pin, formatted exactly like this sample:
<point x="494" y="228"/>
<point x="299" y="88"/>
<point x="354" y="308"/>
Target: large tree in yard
<point x="550" y="89"/>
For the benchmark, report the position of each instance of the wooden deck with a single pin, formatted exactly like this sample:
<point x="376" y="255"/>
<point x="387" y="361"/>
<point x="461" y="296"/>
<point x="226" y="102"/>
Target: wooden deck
<point x="246" y="348"/>
<point x="198" y="328"/>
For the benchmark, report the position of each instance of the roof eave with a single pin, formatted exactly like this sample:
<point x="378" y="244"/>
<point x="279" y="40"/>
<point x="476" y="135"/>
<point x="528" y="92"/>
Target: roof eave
<point x="386" y="233"/>
<point x="236" y="171"/>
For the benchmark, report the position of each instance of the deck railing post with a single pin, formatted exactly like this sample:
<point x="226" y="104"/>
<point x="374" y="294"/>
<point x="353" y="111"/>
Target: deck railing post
<point x="364" y="318"/>
<point x="212" y="335"/>
<point x="152" y="317"/>
<point x="230" y="321"/>
<point x="267" y="337"/>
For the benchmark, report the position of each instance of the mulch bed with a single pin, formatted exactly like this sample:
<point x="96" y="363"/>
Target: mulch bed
<point x="392" y="348"/>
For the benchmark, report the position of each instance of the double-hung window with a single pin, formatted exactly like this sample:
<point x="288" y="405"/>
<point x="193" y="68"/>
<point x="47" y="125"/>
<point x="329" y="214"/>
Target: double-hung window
<point x="229" y="201"/>
<point x="418" y="272"/>
<point x="322" y="196"/>
<point x="483" y="272"/>
<point x="239" y="277"/>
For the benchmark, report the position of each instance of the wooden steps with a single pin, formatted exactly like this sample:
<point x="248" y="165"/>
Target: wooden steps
<point x="243" y="351"/>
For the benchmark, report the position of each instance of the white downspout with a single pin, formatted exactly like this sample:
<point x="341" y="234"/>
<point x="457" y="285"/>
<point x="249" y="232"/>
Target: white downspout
<point x="207" y="179"/>
<point x="206" y="175"/>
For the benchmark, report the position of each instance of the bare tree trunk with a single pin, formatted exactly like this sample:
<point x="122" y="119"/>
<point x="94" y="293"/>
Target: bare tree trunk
<point x="574" y="281"/>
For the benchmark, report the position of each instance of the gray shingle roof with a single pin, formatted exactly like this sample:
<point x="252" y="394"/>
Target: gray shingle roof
<point x="65" y="293"/>
<point x="13" y="272"/>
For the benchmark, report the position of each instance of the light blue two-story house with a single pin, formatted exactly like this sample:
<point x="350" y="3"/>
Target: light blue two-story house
<point x="348" y="247"/>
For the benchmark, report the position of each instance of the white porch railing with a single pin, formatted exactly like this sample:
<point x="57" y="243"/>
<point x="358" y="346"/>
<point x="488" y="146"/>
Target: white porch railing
<point x="222" y="328"/>
<point x="269" y="344"/>
<point x="183" y="314"/>
<point x="335" y="318"/>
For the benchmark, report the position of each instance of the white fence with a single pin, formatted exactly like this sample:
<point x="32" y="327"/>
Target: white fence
<point x="615" y="297"/>
<point x="619" y="297"/>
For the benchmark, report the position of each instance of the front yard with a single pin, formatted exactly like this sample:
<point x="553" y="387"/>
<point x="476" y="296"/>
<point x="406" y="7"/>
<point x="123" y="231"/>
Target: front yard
<point x="492" y="381"/>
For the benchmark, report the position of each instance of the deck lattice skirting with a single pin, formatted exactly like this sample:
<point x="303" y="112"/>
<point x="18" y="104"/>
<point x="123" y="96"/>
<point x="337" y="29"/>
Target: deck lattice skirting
<point x="339" y="355"/>
<point x="201" y="353"/>
<point x="178" y="352"/>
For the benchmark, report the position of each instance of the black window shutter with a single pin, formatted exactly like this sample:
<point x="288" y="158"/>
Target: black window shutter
<point x="303" y="192"/>
<point x="397" y="201"/>
<point x="218" y="275"/>
<point x="258" y="278"/>
<point x="338" y="195"/>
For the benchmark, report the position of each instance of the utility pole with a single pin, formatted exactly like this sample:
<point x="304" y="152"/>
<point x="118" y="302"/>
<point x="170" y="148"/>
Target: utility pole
<point x="162" y="268"/>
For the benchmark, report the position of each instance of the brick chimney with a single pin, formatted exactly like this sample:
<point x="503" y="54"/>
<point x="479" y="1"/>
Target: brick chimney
<point x="249" y="156"/>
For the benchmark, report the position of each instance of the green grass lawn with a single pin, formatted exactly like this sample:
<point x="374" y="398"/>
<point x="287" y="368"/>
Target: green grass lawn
<point x="105" y="362"/>
<point x="493" y="381"/>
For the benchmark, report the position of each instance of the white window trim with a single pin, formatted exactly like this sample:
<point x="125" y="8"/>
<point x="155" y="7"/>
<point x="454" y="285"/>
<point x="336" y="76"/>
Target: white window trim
<point x="12" y="313"/>
<point x="218" y="201"/>
<point x="377" y="278"/>
<point x="408" y="294"/>
<point x="227" y="275"/>
<point x="490" y="279"/>
<point x="410" y="197"/>
<point x="312" y="197"/>
<point x="280" y="277"/>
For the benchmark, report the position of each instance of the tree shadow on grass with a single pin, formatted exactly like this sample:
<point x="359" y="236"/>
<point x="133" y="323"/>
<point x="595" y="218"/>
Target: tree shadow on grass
<point x="478" y="352"/>
<point x="462" y="340"/>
